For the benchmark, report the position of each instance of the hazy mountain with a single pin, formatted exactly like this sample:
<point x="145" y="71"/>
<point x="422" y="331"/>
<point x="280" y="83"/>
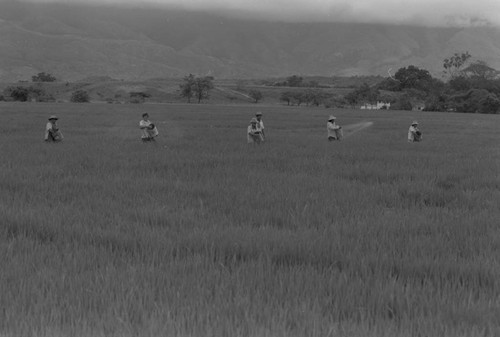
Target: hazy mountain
<point x="76" y="41"/>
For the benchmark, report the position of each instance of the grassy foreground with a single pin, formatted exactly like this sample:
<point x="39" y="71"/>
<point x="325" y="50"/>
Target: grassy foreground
<point x="204" y="235"/>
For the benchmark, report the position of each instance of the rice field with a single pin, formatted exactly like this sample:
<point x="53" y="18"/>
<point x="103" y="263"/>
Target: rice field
<point x="201" y="234"/>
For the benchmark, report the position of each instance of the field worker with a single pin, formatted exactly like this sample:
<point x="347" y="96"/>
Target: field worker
<point x="334" y="131"/>
<point x="52" y="132"/>
<point x="414" y="134"/>
<point x="149" y="130"/>
<point x="254" y="133"/>
<point x="258" y="115"/>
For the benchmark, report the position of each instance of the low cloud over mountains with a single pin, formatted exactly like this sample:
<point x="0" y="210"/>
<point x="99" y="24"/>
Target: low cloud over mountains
<point x="417" y="12"/>
<point x="74" y="41"/>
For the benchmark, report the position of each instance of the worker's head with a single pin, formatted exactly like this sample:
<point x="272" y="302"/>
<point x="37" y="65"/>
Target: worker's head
<point x="332" y="118"/>
<point x="253" y="121"/>
<point x="258" y="115"/>
<point x="414" y="123"/>
<point x="53" y="119"/>
<point x="145" y="116"/>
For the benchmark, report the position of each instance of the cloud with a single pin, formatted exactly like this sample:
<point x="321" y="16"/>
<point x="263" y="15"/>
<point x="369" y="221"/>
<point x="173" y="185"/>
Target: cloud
<point x="418" y="12"/>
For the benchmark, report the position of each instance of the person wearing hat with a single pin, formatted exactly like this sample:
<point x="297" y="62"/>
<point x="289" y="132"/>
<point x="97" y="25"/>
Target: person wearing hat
<point x="414" y="134"/>
<point x="52" y="132"/>
<point x="149" y="130"/>
<point x="258" y="116"/>
<point x="334" y="130"/>
<point x="254" y="133"/>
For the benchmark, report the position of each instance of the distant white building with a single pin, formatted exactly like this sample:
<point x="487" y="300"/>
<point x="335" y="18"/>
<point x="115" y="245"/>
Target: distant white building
<point x="378" y="106"/>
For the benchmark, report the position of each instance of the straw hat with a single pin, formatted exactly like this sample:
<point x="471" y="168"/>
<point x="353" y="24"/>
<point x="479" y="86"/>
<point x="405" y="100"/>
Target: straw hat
<point x="414" y="123"/>
<point x="258" y="114"/>
<point x="331" y="118"/>
<point x="253" y="120"/>
<point x="53" y="117"/>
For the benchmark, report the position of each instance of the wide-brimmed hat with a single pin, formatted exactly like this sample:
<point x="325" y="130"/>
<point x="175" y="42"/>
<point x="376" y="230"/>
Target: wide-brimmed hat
<point x="258" y="114"/>
<point x="331" y="118"/>
<point x="414" y="123"/>
<point x="253" y="120"/>
<point x="53" y="117"/>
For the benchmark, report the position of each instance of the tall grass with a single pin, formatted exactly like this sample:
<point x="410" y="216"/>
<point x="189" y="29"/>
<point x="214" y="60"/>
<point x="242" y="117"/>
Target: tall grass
<point x="201" y="234"/>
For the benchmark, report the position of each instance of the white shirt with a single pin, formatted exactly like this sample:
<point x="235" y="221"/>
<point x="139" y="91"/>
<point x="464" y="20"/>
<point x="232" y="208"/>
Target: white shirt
<point x="146" y="132"/>
<point x="332" y="129"/>
<point x="261" y="125"/>
<point x="411" y="133"/>
<point x="254" y="134"/>
<point x="50" y="127"/>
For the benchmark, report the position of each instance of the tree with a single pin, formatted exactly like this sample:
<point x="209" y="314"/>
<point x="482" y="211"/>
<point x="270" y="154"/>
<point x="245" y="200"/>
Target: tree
<point x="187" y="87"/>
<point x="202" y="86"/>
<point x="437" y="102"/>
<point x="43" y="77"/>
<point x="459" y="83"/>
<point x="286" y="96"/>
<point x="364" y="94"/>
<point x="389" y="84"/>
<point x="314" y="97"/>
<point x="386" y="98"/>
<point x="294" y="81"/>
<point x="476" y="101"/>
<point x="256" y="95"/>
<point x="490" y="104"/>
<point x="351" y="98"/>
<point x="298" y="97"/>
<point x="198" y="87"/>
<point x="480" y="70"/>
<point x="367" y="93"/>
<point x="80" y="96"/>
<point x="402" y="103"/>
<point x="453" y="65"/>
<point x="412" y="77"/>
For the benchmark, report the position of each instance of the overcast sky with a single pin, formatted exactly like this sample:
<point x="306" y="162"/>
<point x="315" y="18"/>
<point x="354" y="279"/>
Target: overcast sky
<point x="421" y="12"/>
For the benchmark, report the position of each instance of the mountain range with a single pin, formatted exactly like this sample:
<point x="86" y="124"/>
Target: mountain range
<point x="74" y="42"/>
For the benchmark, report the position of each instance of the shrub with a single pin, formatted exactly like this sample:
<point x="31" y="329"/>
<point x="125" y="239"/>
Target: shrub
<point x="490" y="104"/>
<point x="475" y="101"/>
<point x="403" y="103"/>
<point x="18" y="93"/>
<point x="43" y="77"/>
<point x="138" y="97"/>
<point x="80" y="96"/>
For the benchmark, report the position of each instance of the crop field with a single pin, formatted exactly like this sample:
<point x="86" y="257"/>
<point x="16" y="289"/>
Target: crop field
<point x="201" y="234"/>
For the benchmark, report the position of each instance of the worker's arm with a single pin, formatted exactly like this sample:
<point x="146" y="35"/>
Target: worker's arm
<point x="144" y="125"/>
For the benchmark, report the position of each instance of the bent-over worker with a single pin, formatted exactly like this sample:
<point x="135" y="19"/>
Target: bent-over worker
<point x="334" y="131"/>
<point x="52" y="132"/>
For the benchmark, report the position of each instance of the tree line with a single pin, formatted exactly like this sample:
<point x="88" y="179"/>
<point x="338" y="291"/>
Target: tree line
<point x="468" y="86"/>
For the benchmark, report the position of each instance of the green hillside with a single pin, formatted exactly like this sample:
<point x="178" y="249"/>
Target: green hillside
<point x="78" y="41"/>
